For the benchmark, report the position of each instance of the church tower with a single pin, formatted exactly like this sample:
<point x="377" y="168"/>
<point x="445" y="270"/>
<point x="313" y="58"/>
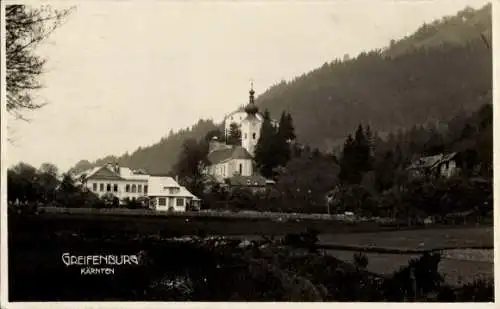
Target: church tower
<point x="250" y="126"/>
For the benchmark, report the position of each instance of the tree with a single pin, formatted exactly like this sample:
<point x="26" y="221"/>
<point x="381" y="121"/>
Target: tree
<point x="265" y="154"/>
<point x="191" y="165"/>
<point x="47" y="174"/>
<point x="346" y="162"/>
<point x="362" y="150"/>
<point x="22" y="183"/>
<point x="214" y="133"/>
<point x="282" y="140"/>
<point x="234" y="136"/>
<point x="26" y="28"/>
<point x="356" y="157"/>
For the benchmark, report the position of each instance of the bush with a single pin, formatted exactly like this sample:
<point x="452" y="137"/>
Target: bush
<point x="360" y="260"/>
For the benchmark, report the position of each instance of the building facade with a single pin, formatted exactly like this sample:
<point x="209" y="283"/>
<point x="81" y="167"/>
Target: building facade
<point x="227" y="161"/>
<point x="122" y="182"/>
<point x="127" y="184"/>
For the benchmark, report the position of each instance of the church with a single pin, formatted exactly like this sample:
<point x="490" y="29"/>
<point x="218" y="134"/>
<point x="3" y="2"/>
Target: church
<point x="234" y="164"/>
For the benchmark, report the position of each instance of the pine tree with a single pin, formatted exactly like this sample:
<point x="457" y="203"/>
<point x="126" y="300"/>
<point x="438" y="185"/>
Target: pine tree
<point x="346" y="160"/>
<point x="362" y="151"/>
<point x="265" y="150"/>
<point x="288" y="130"/>
<point x="281" y="141"/>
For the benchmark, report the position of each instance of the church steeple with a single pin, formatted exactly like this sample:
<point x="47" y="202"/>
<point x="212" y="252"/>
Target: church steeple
<point x="251" y="108"/>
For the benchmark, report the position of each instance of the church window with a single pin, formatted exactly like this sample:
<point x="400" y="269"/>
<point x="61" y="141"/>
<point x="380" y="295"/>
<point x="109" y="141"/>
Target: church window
<point x="127" y="188"/>
<point x="241" y="168"/>
<point x="254" y="135"/>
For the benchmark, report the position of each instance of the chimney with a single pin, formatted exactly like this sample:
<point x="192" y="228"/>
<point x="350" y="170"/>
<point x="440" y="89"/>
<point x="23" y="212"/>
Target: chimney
<point x="117" y="168"/>
<point x="177" y="178"/>
<point x="109" y="166"/>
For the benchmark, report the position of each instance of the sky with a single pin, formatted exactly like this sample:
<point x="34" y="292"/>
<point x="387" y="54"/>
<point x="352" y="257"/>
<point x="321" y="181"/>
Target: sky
<point x="122" y="75"/>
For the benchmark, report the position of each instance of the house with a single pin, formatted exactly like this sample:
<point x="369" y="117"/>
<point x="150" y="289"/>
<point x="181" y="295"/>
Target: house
<point x="167" y="195"/>
<point x="125" y="183"/>
<point x="122" y="182"/>
<point x="441" y="165"/>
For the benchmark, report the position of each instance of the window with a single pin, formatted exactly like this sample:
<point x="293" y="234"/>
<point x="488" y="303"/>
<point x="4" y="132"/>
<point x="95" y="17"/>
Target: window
<point x="127" y="188"/>
<point x="139" y="188"/>
<point x="145" y="189"/>
<point x="94" y="187"/>
<point x="162" y="201"/>
<point x="134" y="189"/>
<point x="108" y="187"/>
<point x="115" y="188"/>
<point x="101" y="187"/>
<point x="241" y="168"/>
<point x="173" y="190"/>
<point x="180" y="202"/>
<point x="254" y="135"/>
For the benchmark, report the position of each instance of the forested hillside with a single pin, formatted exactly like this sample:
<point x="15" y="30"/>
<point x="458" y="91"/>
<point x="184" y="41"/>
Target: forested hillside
<point x="443" y="69"/>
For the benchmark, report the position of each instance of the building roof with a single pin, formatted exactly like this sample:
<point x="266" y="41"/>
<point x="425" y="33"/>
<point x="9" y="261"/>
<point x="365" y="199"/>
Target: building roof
<point x="103" y="172"/>
<point x="221" y="155"/>
<point x="157" y="185"/>
<point x="254" y="181"/>
<point x="432" y="161"/>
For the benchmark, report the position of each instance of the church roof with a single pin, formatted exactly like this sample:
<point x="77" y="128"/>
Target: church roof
<point x="221" y="155"/>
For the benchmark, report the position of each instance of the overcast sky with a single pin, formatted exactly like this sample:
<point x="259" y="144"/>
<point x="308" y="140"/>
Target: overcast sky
<point x="121" y="75"/>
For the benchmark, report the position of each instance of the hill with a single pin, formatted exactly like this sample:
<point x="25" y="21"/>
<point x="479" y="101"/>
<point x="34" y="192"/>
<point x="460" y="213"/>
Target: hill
<point x="157" y="158"/>
<point x="439" y="71"/>
<point x="443" y="69"/>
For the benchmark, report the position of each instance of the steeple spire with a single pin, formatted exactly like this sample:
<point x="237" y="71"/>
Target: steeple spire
<point x="252" y="92"/>
<point x="251" y="108"/>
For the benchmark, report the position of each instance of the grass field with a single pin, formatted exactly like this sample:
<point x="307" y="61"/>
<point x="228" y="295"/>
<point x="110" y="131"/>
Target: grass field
<point x="423" y="239"/>
<point x="455" y="271"/>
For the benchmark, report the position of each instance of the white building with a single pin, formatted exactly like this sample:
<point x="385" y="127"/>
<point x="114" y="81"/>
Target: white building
<point x="123" y="182"/>
<point x="167" y="195"/>
<point x="227" y="161"/>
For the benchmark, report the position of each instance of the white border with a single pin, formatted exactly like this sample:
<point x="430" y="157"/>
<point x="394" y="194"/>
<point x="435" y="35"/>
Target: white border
<point x="195" y="305"/>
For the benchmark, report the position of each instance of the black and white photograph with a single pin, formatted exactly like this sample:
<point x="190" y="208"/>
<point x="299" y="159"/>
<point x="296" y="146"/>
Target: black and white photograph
<point x="247" y="151"/>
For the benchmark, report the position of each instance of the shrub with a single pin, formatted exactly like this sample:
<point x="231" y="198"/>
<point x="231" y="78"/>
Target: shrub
<point x="360" y="260"/>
